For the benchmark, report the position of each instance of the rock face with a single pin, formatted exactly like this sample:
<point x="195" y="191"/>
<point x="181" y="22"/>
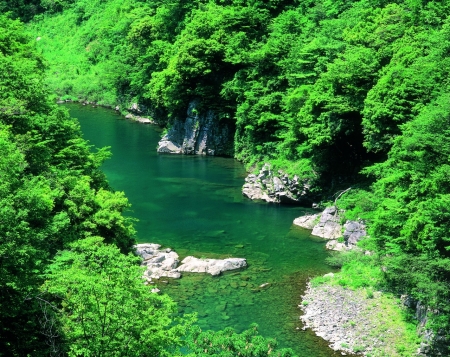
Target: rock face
<point x="163" y="263"/>
<point x="275" y="187"/>
<point x="210" y="266"/>
<point x="198" y="135"/>
<point x="432" y="344"/>
<point x="327" y="225"/>
<point x="354" y="232"/>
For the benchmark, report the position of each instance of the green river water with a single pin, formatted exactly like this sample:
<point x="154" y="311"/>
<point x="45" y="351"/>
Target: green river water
<point x="194" y="205"/>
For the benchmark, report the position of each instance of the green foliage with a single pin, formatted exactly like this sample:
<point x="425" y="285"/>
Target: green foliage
<point x="102" y="306"/>
<point x="51" y="190"/>
<point x="228" y="343"/>
<point x="321" y="90"/>
<point x="357" y="204"/>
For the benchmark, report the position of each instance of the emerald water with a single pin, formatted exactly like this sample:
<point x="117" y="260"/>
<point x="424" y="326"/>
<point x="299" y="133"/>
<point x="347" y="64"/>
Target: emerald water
<point x="194" y="205"/>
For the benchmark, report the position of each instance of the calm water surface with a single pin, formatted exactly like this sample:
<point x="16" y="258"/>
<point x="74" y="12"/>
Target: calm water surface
<point x="194" y="205"/>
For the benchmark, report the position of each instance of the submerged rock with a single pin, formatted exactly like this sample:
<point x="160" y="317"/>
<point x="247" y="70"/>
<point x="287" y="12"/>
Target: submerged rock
<point x="198" y="135"/>
<point x="275" y="187"/>
<point x="210" y="266"/>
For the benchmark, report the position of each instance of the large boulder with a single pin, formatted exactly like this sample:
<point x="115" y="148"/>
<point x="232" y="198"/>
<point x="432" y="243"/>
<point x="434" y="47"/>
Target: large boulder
<point x="198" y="135"/>
<point x="275" y="187"/>
<point x="308" y="221"/>
<point x="328" y="226"/>
<point x="354" y="232"/>
<point x="158" y="263"/>
<point x="210" y="266"/>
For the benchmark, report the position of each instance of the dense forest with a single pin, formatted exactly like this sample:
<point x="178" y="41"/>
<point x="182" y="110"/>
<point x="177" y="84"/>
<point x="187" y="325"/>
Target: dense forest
<point x="341" y="93"/>
<point x="69" y="283"/>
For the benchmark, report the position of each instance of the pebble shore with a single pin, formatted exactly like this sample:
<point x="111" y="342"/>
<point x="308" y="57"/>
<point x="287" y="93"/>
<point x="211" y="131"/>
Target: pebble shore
<point x="353" y="321"/>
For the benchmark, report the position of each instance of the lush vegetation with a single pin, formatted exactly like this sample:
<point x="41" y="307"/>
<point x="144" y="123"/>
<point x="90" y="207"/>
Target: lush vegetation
<point x="342" y="93"/>
<point x="69" y="284"/>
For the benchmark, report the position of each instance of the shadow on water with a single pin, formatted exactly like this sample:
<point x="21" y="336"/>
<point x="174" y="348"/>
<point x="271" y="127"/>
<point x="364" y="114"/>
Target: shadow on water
<point x="194" y="205"/>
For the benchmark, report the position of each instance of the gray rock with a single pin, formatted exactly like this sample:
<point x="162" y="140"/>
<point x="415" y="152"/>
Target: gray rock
<point x="136" y="108"/>
<point x="163" y="263"/>
<point x="328" y="226"/>
<point x="144" y="120"/>
<point x="307" y="221"/>
<point x="354" y="232"/>
<point x="337" y="246"/>
<point x="198" y="135"/>
<point x="158" y="263"/>
<point x="169" y="147"/>
<point x="210" y="266"/>
<point x="275" y="187"/>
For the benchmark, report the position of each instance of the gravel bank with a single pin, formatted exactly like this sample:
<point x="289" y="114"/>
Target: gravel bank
<point x="356" y="321"/>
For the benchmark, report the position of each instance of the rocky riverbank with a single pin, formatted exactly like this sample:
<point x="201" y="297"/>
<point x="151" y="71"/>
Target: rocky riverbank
<point x="327" y="225"/>
<point x="164" y="263"/>
<point x="357" y="321"/>
<point x="134" y="112"/>
<point x="276" y="187"/>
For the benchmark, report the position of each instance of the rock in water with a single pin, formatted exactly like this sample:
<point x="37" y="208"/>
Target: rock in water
<point x="307" y="221"/>
<point x="198" y="135"/>
<point x="211" y="266"/>
<point x="158" y="263"/>
<point x="163" y="263"/>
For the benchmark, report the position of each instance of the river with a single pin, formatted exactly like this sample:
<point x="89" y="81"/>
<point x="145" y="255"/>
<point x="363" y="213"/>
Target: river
<point x="194" y="205"/>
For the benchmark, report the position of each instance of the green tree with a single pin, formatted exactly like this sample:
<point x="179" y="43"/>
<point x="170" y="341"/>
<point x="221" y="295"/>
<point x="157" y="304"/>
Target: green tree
<point x="103" y="308"/>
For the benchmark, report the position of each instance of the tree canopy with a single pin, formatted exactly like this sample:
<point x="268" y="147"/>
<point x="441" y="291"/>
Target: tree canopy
<point x="341" y="93"/>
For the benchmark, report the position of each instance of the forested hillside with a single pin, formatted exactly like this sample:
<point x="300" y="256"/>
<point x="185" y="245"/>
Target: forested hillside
<point x="69" y="285"/>
<point x="342" y="93"/>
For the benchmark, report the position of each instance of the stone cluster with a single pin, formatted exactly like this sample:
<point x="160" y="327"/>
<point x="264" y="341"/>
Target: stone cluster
<point x="164" y="263"/>
<point x="275" y="187"/>
<point x="327" y="225"/>
<point x="340" y="316"/>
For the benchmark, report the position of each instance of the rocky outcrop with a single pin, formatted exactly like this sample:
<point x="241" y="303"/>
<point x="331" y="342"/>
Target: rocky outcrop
<point x="275" y="187"/>
<point x="211" y="266"/>
<point x="354" y="231"/>
<point x="198" y="135"/>
<point x="432" y="344"/>
<point x="160" y="263"/>
<point x="327" y="225"/>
